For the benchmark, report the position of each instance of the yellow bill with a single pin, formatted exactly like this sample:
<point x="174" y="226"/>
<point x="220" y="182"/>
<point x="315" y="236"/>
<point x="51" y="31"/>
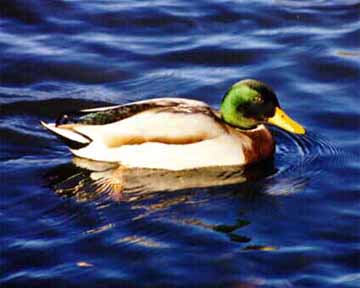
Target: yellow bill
<point x="282" y="120"/>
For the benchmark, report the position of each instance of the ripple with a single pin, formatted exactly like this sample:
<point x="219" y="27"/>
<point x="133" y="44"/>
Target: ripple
<point x="300" y="158"/>
<point x="20" y="11"/>
<point x="61" y="71"/>
<point x="49" y="108"/>
<point x="210" y="56"/>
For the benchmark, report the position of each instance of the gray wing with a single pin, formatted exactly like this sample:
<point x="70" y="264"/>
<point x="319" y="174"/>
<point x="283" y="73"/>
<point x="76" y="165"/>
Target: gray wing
<point x="106" y="115"/>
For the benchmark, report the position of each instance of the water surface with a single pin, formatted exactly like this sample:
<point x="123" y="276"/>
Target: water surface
<point x="297" y="225"/>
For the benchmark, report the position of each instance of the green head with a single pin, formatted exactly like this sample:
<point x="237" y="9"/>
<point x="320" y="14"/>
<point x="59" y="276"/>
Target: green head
<point x="249" y="103"/>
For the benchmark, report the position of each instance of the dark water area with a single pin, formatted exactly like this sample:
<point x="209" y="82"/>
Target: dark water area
<point x="296" y="226"/>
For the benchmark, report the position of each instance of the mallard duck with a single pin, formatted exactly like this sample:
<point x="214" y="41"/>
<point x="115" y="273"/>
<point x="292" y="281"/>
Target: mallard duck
<point x="179" y="134"/>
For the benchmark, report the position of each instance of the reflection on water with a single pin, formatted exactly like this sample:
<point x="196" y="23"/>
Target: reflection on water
<point x="85" y="179"/>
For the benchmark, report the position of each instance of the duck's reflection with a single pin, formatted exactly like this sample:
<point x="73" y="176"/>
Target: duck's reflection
<point x="86" y="180"/>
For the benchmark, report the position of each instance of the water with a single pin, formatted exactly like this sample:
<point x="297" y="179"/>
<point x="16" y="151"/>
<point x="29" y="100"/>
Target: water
<point x="295" y="226"/>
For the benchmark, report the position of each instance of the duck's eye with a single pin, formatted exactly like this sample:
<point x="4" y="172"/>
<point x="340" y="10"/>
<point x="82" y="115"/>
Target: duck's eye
<point x="251" y="110"/>
<point x="258" y="100"/>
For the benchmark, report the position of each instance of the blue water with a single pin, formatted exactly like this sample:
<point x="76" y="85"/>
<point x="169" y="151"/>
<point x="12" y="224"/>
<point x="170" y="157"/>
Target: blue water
<point x="295" y="226"/>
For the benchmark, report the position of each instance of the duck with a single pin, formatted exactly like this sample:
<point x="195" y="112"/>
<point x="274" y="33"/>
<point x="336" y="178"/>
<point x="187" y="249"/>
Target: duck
<point x="179" y="133"/>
